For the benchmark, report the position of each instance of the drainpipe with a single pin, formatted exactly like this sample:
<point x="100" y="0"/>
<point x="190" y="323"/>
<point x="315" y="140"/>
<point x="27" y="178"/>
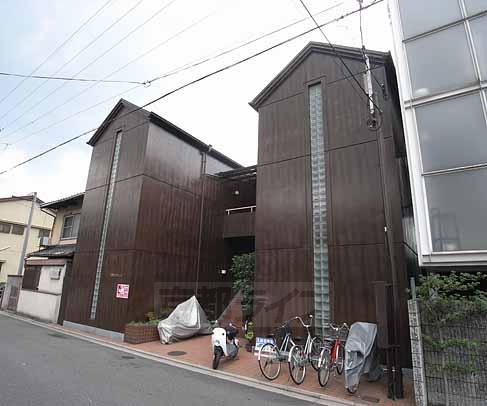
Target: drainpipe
<point x="202" y="206"/>
<point x="26" y="237"/>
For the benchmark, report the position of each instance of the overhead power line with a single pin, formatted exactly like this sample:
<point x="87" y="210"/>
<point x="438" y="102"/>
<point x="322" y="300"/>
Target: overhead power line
<point x="64" y="103"/>
<point x="148" y="82"/>
<point x="197" y="80"/>
<point x="63" y="66"/>
<point x="68" y="79"/>
<point x="57" y="49"/>
<point x="92" y="86"/>
<point x="352" y="76"/>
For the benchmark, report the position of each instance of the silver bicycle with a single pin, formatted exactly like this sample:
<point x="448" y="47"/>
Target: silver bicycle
<point x="271" y="355"/>
<point x="300" y="356"/>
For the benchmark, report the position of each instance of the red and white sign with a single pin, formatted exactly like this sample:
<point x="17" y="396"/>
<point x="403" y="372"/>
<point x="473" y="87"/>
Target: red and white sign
<point x="122" y="291"/>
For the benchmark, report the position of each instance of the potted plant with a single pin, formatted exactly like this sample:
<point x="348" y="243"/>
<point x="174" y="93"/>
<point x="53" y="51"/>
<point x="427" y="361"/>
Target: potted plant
<point x="138" y="332"/>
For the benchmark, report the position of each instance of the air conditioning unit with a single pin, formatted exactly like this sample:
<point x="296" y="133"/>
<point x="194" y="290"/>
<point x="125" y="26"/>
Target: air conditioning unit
<point x="44" y="241"/>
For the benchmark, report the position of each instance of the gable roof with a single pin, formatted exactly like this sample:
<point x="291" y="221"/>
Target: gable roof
<point x="65" y="201"/>
<point x="164" y="124"/>
<point x="318" y="47"/>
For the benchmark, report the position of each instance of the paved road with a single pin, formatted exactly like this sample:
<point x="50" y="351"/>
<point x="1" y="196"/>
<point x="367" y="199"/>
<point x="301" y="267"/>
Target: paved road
<point x="42" y="367"/>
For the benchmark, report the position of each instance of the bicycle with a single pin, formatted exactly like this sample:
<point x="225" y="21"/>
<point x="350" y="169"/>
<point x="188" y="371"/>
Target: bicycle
<point x="332" y="355"/>
<point x="300" y="356"/>
<point x="271" y="356"/>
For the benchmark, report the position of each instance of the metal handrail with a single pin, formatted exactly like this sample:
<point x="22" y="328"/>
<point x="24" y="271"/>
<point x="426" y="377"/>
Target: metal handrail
<point x="250" y="208"/>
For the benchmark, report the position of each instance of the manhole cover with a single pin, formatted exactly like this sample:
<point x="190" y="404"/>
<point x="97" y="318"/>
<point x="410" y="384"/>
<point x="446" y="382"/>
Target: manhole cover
<point x="127" y="357"/>
<point x="57" y="335"/>
<point x="370" y="399"/>
<point x="176" y="353"/>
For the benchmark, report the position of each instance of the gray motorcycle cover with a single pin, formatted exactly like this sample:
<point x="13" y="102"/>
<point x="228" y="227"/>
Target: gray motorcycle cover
<point x="360" y="352"/>
<point x="186" y="320"/>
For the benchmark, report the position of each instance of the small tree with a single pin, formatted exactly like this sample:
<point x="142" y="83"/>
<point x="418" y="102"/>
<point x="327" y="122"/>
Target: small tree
<point x="243" y="271"/>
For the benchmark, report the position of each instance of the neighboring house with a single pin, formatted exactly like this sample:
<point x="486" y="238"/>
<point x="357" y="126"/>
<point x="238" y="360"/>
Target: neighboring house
<point x="14" y="216"/>
<point x="47" y="270"/>
<point x="441" y="58"/>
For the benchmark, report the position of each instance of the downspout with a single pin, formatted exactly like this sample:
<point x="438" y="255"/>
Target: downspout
<point x="202" y="207"/>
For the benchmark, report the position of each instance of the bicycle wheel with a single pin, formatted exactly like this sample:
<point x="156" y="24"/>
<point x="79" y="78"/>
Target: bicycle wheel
<point x="269" y="361"/>
<point x="324" y="367"/>
<point x="340" y="361"/>
<point x="315" y="350"/>
<point x="297" y="364"/>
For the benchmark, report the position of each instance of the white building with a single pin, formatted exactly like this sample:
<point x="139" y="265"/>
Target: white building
<point x="441" y="60"/>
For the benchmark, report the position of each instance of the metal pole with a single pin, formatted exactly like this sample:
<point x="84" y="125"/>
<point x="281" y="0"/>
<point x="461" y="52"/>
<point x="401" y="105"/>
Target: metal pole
<point x="26" y="236"/>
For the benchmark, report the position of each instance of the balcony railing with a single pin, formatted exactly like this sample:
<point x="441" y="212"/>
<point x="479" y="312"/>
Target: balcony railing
<point x="245" y="209"/>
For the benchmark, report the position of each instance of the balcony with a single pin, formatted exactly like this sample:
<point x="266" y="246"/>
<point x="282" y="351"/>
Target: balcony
<point x="239" y="222"/>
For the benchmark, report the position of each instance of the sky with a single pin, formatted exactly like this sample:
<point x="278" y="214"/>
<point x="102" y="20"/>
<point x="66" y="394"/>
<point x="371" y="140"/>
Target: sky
<point x="138" y="40"/>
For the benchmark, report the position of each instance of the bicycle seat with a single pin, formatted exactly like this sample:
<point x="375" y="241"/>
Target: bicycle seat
<point x="298" y="339"/>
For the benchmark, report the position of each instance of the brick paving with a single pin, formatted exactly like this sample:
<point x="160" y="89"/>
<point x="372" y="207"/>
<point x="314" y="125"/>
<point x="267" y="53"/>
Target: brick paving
<point x="197" y="352"/>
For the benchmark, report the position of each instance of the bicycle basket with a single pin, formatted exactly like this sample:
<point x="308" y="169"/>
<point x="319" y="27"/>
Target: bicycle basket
<point x="330" y="334"/>
<point x="281" y="332"/>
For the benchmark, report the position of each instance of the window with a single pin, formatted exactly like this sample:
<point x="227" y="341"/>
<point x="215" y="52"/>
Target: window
<point x="318" y="195"/>
<point x="70" y="226"/>
<point x="475" y="6"/>
<point x="479" y="34"/>
<point x="44" y="233"/>
<point x="31" y="277"/>
<point x="419" y="16"/>
<point x="452" y="133"/>
<point x="442" y="55"/>
<point x="5" y="228"/>
<point x="106" y="220"/>
<point x="456" y="203"/>
<point x="17" y="230"/>
<point x="431" y="65"/>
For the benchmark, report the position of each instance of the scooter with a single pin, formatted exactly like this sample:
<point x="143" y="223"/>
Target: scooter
<point x="224" y="343"/>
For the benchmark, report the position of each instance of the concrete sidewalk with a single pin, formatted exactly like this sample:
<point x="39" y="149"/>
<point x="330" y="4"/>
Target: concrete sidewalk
<point x="196" y="352"/>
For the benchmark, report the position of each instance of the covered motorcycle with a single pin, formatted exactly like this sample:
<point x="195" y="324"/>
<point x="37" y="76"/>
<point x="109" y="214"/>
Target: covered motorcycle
<point x="361" y="354"/>
<point x="186" y="320"/>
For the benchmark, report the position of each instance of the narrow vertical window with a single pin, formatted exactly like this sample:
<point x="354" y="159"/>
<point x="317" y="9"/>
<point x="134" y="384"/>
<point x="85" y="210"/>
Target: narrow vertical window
<point x="318" y="190"/>
<point x="106" y="218"/>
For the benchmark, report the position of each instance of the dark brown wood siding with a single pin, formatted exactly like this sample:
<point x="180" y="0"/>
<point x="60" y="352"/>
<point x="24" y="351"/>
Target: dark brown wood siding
<point x="152" y="239"/>
<point x="359" y="181"/>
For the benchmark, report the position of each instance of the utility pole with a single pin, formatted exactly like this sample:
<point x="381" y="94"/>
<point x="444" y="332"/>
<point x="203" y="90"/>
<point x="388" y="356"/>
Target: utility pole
<point x="26" y="236"/>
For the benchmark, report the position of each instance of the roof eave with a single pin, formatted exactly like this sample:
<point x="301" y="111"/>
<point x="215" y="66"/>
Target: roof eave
<point x="343" y="51"/>
<point x="174" y="129"/>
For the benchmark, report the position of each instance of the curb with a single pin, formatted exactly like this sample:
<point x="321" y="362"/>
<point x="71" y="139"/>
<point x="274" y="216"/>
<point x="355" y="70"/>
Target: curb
<point x="285" y="390"/>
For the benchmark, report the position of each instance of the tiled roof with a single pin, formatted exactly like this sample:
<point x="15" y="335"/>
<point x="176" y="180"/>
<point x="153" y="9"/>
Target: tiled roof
<point x="55" y="251"/>
<point x="64" y="201"/>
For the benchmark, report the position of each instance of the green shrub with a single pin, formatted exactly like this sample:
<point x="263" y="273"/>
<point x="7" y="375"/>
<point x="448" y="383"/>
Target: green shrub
<point x="243" y="271"/>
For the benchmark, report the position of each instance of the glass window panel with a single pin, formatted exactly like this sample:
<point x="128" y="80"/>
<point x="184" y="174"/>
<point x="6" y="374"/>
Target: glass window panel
<point x="440" y="62"/>
<point x="5" y="228"/>
<point x="419" y="16"/>
<point x="457" y="203"/>
<point x="18" y="230"/>
<point x="452" y="133"/>
<point x="475" y="6"/>
<point x="479" y="33"/>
